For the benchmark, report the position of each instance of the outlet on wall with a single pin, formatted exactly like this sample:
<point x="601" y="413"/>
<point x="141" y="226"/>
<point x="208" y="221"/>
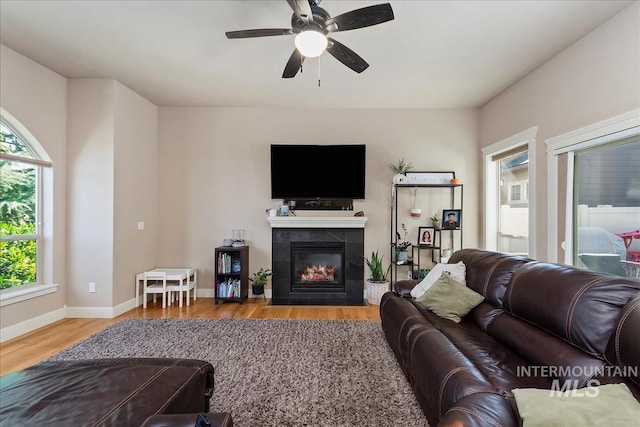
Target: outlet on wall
<point x="92" y="287"/>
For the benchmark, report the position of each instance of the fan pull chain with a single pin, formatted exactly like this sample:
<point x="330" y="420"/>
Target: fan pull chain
<point x="319" y="71"/>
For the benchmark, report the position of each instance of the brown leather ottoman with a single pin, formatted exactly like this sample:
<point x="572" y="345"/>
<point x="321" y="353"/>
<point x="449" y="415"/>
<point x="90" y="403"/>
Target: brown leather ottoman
<point x="104" y="392"/>
<point x="217" y="419"/>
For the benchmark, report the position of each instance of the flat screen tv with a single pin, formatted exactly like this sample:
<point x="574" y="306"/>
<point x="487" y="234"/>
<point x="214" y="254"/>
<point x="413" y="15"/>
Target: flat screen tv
<point x="317" y="171"/>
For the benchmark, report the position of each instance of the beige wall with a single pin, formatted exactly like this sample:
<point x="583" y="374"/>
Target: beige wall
<point x="596" y="78"/>
<point x="135" y="190"/>
<point x="215" y="165"/>
<point x="112" y="152"/>
<point x="37" y="98"/>
<point x="90" y="174"/>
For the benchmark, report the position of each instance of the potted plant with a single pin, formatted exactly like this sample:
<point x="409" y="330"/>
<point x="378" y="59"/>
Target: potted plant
<point x="259" y="280"/>
<point x="401" y="246"/>
<point x="399" y="169"/>
<point x="435" y="220"/>
<point x="377" y="283"/>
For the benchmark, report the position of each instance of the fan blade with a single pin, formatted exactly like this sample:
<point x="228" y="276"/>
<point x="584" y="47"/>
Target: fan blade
<point x="263" y="32"/>
<point x="302" y="10"/>
<point x="346" y="56"/>
<point x="293" y="65"/>
<point x="360" y="18"/>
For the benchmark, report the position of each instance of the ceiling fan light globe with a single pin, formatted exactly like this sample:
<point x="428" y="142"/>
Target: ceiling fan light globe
<point x="311" y="43"/>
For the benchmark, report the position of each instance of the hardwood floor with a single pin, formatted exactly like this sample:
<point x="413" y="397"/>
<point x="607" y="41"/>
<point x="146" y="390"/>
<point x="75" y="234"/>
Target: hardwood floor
<point x="36" y="346"/>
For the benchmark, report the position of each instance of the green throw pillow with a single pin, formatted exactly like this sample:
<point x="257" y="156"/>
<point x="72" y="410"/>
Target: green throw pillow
<point x="450" y="299"/>
<point x="604" y="405"/>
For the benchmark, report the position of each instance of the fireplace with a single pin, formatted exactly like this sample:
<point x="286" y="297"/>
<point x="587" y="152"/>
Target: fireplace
<point x="317" y="265"/>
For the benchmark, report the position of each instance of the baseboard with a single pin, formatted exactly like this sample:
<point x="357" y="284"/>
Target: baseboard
<point x="22" y="328"/>
<point x="101" y="312"/>
<point x="30" y="325"/>
<point x="205" y="293"/>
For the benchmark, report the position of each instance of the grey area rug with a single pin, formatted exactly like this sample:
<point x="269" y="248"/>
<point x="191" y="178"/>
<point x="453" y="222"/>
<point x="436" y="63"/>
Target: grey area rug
<point x="277" y="372"/>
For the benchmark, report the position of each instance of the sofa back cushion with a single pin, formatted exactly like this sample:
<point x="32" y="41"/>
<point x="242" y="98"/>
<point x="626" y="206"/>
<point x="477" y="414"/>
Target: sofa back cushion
<point x="579" y="306"/>
<point x="488" y="273"/>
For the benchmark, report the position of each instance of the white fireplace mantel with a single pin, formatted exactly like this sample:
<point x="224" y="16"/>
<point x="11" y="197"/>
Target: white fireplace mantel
<point x="317" y="221"/>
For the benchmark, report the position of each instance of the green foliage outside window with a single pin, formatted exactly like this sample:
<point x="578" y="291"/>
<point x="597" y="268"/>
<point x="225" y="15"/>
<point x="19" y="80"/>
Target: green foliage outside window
<point x="17" y="258"/>
<point x="17" y="216"/>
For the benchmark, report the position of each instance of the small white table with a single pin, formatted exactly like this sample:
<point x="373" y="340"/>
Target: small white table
<point x="174" y="274"/>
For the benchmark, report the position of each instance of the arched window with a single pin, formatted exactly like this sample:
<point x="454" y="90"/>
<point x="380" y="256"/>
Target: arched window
<point x="20" y="209"/>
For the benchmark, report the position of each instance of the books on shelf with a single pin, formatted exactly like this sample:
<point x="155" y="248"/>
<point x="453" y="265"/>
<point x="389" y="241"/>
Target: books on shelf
<point x="229" y="288"/>
<point x="225" y="263"/>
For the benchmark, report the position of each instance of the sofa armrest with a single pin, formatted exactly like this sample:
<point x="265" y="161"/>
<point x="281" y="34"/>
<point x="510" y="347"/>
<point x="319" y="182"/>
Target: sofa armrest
<point x="217" y="419"/>
<point x="404" y="287"/>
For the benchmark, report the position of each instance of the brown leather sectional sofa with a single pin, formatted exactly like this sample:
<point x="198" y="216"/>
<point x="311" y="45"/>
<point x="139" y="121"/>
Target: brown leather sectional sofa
<point x="108" y="392"/>
<point x="539" y="322"/>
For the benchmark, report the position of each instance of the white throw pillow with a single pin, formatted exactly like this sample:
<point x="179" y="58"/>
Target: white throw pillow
<point x="457" y="272"/>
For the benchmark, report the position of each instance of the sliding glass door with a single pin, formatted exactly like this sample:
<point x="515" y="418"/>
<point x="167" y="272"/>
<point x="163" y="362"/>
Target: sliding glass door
<point x="593" y="190"/>
<point x="606" y="207"/>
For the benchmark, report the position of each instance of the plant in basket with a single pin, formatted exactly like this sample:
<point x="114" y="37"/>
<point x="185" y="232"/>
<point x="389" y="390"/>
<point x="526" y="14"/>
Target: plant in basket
<point x="378" y="282"/>
<point x="259" y="280"/>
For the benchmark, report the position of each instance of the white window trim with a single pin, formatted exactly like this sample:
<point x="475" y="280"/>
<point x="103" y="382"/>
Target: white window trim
<point x="44" y="246"/>
<point x="490" y="199"/>
<point x="22" y="293"/>
<point x="603" y="132"/>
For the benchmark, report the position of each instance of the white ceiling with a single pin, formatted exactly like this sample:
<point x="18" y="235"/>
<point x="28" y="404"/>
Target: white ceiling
<point x="434" y="54"/>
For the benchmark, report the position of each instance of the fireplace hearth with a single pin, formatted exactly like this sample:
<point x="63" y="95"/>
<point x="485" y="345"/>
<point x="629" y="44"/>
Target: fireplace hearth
<point x="318" y="266"/>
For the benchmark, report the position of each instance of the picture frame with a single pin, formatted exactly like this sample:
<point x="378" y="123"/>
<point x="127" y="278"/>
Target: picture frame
<point x="430" y="178"/>
<point x="453" y="223"/>
<point x="426" y="236"/>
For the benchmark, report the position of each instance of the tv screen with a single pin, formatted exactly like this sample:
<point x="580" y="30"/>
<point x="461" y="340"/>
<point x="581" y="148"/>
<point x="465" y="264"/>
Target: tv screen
<point x="317" y="171"/>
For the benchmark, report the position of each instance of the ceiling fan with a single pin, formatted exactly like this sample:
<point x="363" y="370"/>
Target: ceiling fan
<point x="312" y="23"/>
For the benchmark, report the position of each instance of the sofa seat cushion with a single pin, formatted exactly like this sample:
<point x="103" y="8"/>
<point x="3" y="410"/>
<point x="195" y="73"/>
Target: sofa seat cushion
<point x="500" y="366"/>
<point x="544" y="350"/>
<point x="446" y="377"/>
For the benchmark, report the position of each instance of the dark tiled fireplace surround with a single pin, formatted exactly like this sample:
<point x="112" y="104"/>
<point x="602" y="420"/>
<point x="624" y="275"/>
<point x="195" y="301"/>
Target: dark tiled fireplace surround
<point x="353" y="241"/>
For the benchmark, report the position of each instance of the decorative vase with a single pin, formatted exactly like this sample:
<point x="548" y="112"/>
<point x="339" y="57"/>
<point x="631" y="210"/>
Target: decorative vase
<point x="436" y="225"/>
<point x="399" y="178"/>
<point x="402" y="257"/>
